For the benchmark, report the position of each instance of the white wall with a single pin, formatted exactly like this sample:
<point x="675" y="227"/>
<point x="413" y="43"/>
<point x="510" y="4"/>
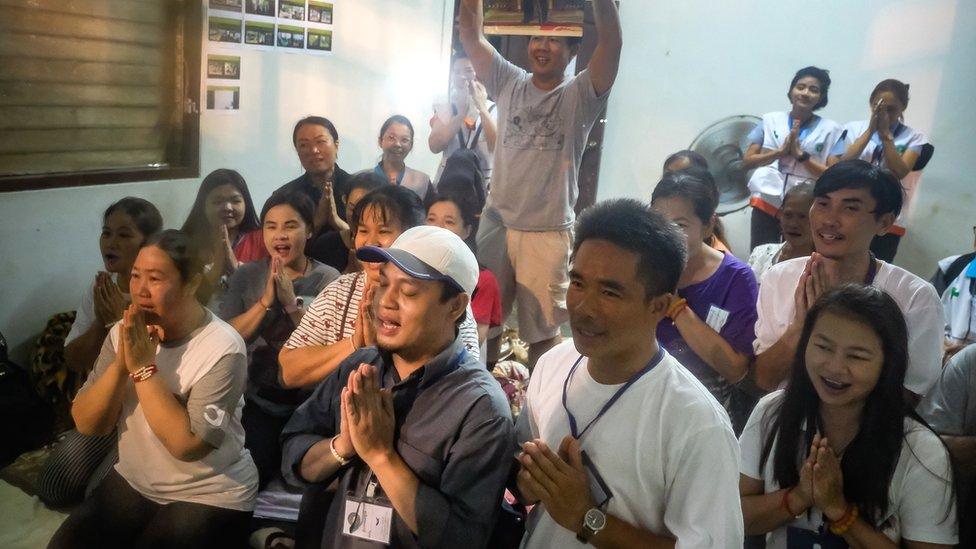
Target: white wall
<point x="688" y="64"/>
<point x="391" y="56"/>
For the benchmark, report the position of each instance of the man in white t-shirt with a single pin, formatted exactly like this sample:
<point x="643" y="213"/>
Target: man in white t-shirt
<point x="544" y="119"/>
<point x="853" y="202"/>
<point x="622" y="446"/>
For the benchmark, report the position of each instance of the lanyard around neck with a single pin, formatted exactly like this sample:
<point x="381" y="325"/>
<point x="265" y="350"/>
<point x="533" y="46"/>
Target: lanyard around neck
<point x="573" y="427"/>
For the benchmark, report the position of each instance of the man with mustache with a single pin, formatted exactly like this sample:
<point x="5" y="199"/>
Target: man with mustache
<point x="416" y="431"/>
<point x="624" y="447"/>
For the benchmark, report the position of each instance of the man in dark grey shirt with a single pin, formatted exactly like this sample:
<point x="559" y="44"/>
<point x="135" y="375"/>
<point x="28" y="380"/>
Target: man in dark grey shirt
<point x="417" y="433"/>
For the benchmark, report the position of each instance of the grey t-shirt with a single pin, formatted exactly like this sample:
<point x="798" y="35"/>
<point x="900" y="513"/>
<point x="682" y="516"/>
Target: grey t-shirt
<point x="205" y="371"/>
<point x="950" y="406"/>
<point x="245" y="289"/>
<point x="541" y="139"/>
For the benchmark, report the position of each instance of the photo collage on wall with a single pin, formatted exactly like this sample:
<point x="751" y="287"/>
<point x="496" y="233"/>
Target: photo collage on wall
<point x="290" y="25"/>
<point x="293" y="26"/>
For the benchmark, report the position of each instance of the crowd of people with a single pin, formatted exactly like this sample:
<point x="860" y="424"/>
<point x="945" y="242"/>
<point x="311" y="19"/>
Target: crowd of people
<point x="341" y="340"/>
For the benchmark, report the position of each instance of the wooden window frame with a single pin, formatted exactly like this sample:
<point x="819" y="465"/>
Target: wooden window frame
<point x="186" y="165"/>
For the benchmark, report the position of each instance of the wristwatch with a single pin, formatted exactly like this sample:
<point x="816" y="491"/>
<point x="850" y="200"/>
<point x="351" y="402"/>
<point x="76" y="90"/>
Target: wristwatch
<point x="803" y="157"/>
<point x="593" y="521"/>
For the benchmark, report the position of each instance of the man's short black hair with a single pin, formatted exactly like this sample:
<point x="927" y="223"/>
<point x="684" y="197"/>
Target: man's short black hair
<point x="884" y="187"/>
<point x="635" y="227"/>
<point x="314" y="121"/>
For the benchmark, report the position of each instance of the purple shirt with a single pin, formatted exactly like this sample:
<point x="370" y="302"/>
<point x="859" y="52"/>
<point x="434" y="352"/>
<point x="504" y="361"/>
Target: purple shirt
<point x="726" y="301"/>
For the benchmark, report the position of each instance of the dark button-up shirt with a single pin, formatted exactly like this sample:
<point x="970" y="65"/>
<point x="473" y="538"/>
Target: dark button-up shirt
<point x="454" y="430"/>
<point x="304" y="185"/>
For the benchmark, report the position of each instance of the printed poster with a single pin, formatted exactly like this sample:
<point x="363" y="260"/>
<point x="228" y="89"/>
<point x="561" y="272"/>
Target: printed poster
<point x="291" y="9"/>
<point x="223" y="98"/>
<point x="259" y="33"/>
<point x="227" y="5"/>
<point x="223" y="67"/>
<point x="529" y="17"/>
<point x="319" y="41"/>
<point x="260" y="7"/>
<point x="291" y="37"/>
<point x="224" y="30"/>
<point x="320" y="12"/>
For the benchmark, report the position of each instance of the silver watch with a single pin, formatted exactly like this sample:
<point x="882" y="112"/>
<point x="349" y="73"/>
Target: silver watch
<point x="593" y="521"/>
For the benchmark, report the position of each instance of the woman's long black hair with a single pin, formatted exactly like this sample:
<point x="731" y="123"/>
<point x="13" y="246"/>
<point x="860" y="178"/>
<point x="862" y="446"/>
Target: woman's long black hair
<point x="196" y="225"/>
<point x="869" y="461"/>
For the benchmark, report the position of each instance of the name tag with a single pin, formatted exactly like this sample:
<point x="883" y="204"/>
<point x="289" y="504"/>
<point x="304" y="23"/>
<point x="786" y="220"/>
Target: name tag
<point x="716" y="318"/>
<point x="369" y="521"/>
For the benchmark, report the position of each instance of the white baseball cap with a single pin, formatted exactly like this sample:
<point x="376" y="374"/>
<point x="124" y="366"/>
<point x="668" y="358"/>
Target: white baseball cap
<point x="429" y="253"/>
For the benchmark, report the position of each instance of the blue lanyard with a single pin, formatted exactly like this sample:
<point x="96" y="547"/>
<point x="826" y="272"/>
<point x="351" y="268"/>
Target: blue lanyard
<point x="573" y="428"/>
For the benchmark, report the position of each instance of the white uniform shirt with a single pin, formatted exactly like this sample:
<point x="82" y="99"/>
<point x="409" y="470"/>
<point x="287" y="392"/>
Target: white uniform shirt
<point x="904" y="138"/>
<point x="769" y="184"/>
<point x="916" y="298"/>
<point x="665" y="450"/>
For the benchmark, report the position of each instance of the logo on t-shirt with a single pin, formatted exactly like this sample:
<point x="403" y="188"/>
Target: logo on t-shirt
<point x="214" y="415"/>
<point x="532" y="127"/>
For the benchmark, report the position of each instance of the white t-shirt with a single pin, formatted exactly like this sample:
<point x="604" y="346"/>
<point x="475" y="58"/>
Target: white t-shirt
<point x="207" y="372"/>
<point x="665" y="450"/>
<point x="915" y="297"/>
<point x="85" y="313"/>
<point x="920" y="504"/>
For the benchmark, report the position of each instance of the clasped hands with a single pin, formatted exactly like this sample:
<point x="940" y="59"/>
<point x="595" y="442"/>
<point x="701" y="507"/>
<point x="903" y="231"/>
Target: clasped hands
<point x="557" y="480"/>
<point x="821" y="481"/>
<point x="138" y="341"/>
<point x="366" y="420"/>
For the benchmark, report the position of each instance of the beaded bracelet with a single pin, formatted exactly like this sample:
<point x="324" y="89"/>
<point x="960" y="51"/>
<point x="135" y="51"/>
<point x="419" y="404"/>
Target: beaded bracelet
<point x="785" y="503"/>
<point x="144" y="373"/>
<point x="843" y="524"/>
<point x="335" y="453"/>
<point x="676" y="308"/>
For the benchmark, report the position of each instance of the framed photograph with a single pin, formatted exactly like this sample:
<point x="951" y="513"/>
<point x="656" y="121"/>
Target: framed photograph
<point x="226" y="5"/>
<point x="532" y="17"/>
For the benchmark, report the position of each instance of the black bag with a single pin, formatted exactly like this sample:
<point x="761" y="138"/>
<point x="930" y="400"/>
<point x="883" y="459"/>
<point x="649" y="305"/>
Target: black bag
<point x="27" y="421"/>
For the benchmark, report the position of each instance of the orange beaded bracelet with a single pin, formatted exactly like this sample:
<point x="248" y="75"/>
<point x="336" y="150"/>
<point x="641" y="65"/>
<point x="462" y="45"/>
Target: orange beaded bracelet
<point x="676" y="308"/>
<point x="844" y="523"/>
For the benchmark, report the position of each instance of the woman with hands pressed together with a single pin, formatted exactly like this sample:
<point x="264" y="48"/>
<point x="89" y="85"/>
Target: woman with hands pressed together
<point x="884" y="140"/>
<point x="839" y="458"/>
<point x="787" y="148"/>
<point x="265" y="301"/>
<point x="170" y="376"/>
<point x="224" y="226"/>
<point x="78" y="463"/>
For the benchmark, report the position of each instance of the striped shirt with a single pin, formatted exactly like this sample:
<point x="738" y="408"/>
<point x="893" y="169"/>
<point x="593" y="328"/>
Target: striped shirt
<point x="332" y="317"/>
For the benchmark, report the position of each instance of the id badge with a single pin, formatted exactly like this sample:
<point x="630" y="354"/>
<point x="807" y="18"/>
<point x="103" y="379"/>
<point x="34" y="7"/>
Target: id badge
<point x="368" y="519"/>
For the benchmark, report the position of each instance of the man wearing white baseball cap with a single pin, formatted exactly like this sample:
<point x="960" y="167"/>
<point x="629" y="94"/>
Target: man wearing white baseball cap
<point x="417" y="432"/>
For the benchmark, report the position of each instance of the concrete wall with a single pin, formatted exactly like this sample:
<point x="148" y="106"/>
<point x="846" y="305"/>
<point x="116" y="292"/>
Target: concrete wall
<point x="688" y="64"/>
<point x="391" y="56"/>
